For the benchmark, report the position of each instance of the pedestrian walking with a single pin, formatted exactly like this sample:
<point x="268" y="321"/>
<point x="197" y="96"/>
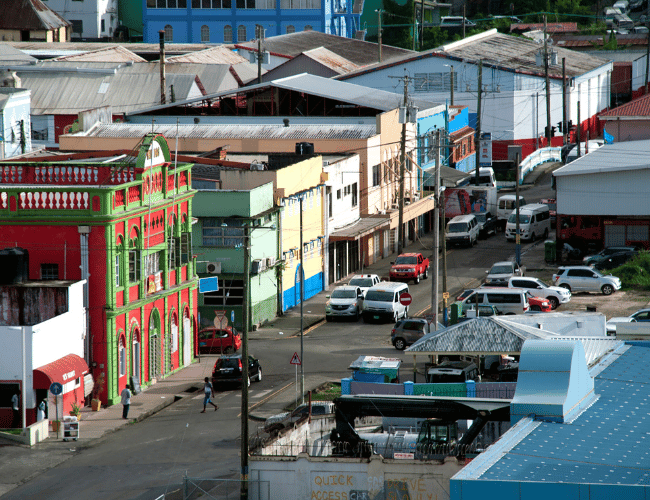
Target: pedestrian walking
<point x="40" y="414"/>
<point x="209" y="393"/>
<point x="15" y="407"/>
<point x="126" y="402"/>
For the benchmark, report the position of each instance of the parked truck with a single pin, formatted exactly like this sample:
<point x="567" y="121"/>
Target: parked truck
<point x="469" y="199"/>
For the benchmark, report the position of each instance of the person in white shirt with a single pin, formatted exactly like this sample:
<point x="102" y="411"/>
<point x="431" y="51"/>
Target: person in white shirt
<point x="209" y="393"/>
<point x="126" y="402"/>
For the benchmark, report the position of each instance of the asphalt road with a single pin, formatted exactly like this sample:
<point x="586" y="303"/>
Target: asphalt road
<point x="149" y="458"/>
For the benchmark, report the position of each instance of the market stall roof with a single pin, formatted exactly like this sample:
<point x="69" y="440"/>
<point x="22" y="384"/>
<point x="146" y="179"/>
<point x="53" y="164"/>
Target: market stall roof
<point x="378" y="365"/>
<point x="63" y="370"/>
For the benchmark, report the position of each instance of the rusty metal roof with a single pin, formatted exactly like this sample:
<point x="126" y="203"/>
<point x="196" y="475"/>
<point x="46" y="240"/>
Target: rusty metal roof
<point x="112" y="53"/>
<point x="358" y="52"/>
<point x="330" y="60"/>
<point x="29" y="15"/>
<point x="214" y="55"/>
<point x="220" y="131"/>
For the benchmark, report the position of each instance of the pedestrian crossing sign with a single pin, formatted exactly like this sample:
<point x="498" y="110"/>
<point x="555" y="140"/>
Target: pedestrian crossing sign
<point x="296" y="359"/>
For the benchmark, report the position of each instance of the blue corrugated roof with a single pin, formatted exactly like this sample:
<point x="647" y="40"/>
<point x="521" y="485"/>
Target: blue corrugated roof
<point x="607" y="444"/>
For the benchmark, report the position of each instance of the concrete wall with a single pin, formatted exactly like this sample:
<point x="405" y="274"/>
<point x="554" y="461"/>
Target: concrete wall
<point x="628" y="130"/>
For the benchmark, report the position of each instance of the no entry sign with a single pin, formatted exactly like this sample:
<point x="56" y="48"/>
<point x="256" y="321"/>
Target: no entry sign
<point x="405" y="299"/>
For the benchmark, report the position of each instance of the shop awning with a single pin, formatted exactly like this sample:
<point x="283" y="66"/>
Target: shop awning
<point x="63" y="370"/>
<point x="360" y="228"/>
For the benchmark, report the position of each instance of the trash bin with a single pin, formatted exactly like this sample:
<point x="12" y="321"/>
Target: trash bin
<point x="455" y="308"/>
<point x="549" y="251"/>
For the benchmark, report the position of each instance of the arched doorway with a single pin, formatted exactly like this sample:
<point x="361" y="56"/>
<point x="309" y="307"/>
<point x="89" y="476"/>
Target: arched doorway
<point x="155" y="365"/>
<point x="172" y="343"/>
<point x="187" y="337"/>
<point x="136" y="353"/>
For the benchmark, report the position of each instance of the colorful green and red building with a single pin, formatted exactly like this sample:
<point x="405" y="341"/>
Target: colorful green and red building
<point x="123" y="223"/>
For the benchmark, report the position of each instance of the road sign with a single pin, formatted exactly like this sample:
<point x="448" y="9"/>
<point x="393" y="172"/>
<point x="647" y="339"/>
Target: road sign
<point x="56" y="388"/>
<point x="220" y="319"/>
<point x="232" y="316"/>
<point x="445" y="295"/>
<point x="405" y="299"/>
<point x="295" y="360"/>
<point x="209" y="284"/>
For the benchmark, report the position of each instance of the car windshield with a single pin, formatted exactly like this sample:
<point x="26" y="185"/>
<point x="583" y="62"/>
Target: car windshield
<point x="361" y="282"/>
<point x="523" y="219"/>
<point x="501" y="269"/>
<point x="379" y="296"/>
<point x="406" y="260"/>
<point x="343" y="294"/>
<point x="228" y="363"/>
<point x="458" y="227"/>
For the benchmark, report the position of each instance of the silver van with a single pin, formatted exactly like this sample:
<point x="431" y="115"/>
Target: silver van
<point x="505" y="205"/>
<point x="534" y="222"/>
<point x="462" y="230"/>
<point x="504" y="300"/>
<point x="382" y="302"/>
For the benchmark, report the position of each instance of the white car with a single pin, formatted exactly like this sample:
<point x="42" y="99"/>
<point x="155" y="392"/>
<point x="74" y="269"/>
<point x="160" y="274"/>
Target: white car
<point x="556" y="295"/>
<point x="585" y="279"/>
<point x="345" y="302"/>
<point x="364" y="281"/>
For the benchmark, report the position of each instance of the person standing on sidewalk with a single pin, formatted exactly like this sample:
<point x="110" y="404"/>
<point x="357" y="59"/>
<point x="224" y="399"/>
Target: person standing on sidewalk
<point x="126" y="402"/>
<point x="209" y="393"/>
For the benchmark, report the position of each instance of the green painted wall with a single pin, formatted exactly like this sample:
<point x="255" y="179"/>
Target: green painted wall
<point x="129" y="12"/>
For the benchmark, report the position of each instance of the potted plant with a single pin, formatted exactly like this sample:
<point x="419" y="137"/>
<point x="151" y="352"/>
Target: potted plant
<point x="95" y="402"/>
<point x="75" y="410"/>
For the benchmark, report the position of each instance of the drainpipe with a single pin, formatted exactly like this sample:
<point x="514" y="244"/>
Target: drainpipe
<point x="84" y="231"/>
<point x="161" y="35"/>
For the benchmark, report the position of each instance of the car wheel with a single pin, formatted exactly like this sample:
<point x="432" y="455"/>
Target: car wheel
<point x="328" y="318"/>
<point x="607" y="289"/>
<point x="365" y="319"/>
<point x="554" y="302"/>
<point x="564" y="285"/>
<point x="426" y="273"/>
<point x="395" y="317"/>
<point x="532" y="237"/>
<point x="399" y="344"/>
<point x="259" y="374"/>
<point x="535" y="308"/>
<point x="228" y="350"/>
<point x="417" y="279"/>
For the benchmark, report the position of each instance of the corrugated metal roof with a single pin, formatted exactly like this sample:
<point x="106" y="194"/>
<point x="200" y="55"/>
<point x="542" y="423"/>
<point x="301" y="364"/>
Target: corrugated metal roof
<point x="112" y="54"/>
<point x="589" y="41"/>
<point x="550" y="27"/>
<point x="629" y="155"/>
<point x="323" y="87"/>
<point x="29" y="15"/>
<point x="69" y="93"/>
<point x="505" y="52"/>
<point x="638" y="108"/>
<point x="359" y="228"/>
<point x="595" y="347"/>
<point x="53" y="49"/>
<point x="605" y="445"/>
<point x="357" y="51"/>
<point x="237" y="131"/>
<point x="213" y="55"/>
<point x="331" y="60"/>
<point x="479" y="335"/>
<point x="10" y="55"/>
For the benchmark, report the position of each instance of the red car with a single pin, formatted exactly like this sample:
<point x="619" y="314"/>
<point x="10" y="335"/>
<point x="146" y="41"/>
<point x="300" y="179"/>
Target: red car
<point x="538" y="303"/>
<point x="409" y="266"/>
<point x="214" y="340"/>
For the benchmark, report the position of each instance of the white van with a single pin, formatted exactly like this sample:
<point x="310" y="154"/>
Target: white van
<point x="504" y="300"/>
<point x="505" y="206"/>
<point x="382" y="302"/>
<point x="462" y="230"/>
<point x="623" y="6"/>
<point x="486" y="177"/>
<point x="534" y="221"/>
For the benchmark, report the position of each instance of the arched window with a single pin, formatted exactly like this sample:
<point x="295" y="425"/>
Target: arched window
<point x="205" y="33"/>
<point x="122" y="355"/>
<point x="241" y="33"/>
<point x="154" y="345"/>
<point x="227" y="34"/>
<point x="136" y="352"/>
<point x="169" y="33"/>
<point x="308" y="27"/>
<point x="291" y="29"/>
<point x="174" y="332"/>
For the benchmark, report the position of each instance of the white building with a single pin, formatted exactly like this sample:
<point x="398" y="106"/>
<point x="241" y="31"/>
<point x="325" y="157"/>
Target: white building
<point x="91" y="19"/>
<point x="513" y="106"/>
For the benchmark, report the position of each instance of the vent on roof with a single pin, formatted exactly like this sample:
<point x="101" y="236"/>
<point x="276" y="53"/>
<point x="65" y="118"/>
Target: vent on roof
<point x="103" y="88"/>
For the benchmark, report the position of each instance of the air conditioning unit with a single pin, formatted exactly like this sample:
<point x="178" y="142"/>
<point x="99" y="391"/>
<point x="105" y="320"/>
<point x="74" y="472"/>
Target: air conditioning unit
<point x="270" y="262"/>
<point x="213" y="268"/>
<point x="256" y="266"/>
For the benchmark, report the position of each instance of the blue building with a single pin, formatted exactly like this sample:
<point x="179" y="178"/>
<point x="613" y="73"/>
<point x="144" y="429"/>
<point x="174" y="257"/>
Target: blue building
<point x="227" y="21"/>
<point x="579" y="430"/>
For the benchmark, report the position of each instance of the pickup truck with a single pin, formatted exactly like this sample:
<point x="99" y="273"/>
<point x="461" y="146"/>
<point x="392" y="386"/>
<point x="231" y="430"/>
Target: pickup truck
<point x="409" y="266"/>
<point x="501" y="272"/>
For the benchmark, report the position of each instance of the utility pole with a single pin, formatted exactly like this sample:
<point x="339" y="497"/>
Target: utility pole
<point x="564" y="121"/>
<point x="302" y="299"/>
<point x="379" y="12"/>
<point x="453" y="84"/>
<point x="244" y="367"/>
<point x="517" y="233"/>
<point x="463" y="20"/>
<point x="549" y="133"/>
<point x="444" y="245"/>
<point x="436" y="234"/>
<point x="478" y="116"/>
<point x="163" y="85"/>
<point x="260" y="33"/>
<point x="578" y="131"/>
<point x="402" y="167"/>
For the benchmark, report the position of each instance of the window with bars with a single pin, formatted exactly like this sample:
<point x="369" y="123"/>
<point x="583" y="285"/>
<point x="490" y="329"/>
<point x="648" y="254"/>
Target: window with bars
<point x="227" y="34"/>
<point x="117" y="271"/>
<point x="435" y="82"/>
<point x="169" y="33"/>
<point x="152" y="263"/>
<point x="205" y="33"/>
<point x="49" y="271"/>
<point x="230" y="293"/>
<point x="291" y="29"/>
<point x="241" y="31"/>
<point x="186" y="247"/>
<point x="222" y="232"/>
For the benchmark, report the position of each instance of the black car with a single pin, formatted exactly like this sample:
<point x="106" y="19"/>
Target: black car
<point x="228" y="370"/>
<point x="487" y="223"/>
<point x="614" y="260"/>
